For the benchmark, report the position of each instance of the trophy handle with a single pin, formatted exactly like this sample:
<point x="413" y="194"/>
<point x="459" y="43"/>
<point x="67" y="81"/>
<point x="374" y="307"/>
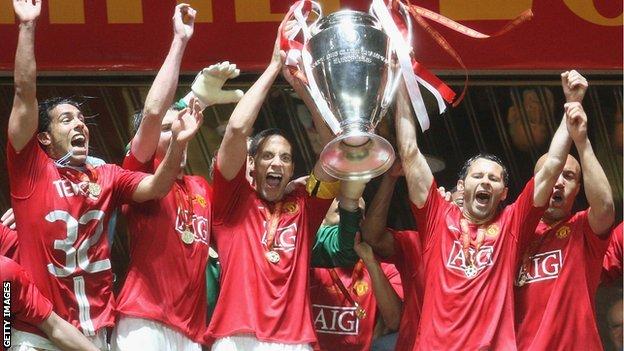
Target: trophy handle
<point x="394" y="69"/>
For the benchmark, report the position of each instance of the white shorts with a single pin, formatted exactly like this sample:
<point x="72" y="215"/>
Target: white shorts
<point x="24" y="341"/>
<point x="131" y="334"/>
<point x="250" y="343"/>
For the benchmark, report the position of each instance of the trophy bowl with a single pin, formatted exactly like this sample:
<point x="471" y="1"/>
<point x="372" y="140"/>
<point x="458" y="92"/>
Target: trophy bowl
<point x="350" y="63"/>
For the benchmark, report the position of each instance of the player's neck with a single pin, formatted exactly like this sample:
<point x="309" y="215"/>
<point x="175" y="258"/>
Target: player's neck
<point x="474" y="220"/>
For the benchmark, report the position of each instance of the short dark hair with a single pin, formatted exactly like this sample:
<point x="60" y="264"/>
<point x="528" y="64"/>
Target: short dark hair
<point x="137" y="117"/>
<point x="49" y="104"/>
<point x="463" y="173"/>
<point x="257" y="139"/>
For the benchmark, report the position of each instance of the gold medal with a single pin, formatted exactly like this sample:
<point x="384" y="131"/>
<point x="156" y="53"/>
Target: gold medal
<point x="470" y="271"/>
<point x="94" y="189"/>
<point x="272" y="256"/>
<point x="188" y="237"/>
<point x="360" y="312"/>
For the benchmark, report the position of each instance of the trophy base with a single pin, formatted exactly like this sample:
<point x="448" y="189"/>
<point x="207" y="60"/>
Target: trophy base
<point x="357" y="156"/>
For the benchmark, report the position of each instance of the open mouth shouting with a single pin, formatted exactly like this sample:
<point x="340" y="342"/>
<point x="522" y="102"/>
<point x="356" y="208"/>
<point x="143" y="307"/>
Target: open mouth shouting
<point x="483" y="198"/>
<point x="557" y="198"/>
<point x="79" y="143"/>
<point x="273" y="179"/>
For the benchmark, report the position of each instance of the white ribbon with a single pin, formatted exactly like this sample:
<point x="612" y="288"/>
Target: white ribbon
<point x="401" y="47"/>
<point x="304" y="59"/>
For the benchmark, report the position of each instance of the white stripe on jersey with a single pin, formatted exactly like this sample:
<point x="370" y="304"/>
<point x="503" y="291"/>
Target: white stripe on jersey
<point x="83" y="306"/>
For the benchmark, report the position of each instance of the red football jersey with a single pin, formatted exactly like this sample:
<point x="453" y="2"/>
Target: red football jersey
<point x="62" y="234"/>
<point x="26" y="302"/>
<point x="334" y="316"/>
<point x="8" y="242"/>
<point x="555" y="304"/>
<point x="165" y="280"/>
<point x="470" y="306"/>
<point x="409" y="263"/>
<point x="268" y="300"/>
<point x="612" y="265"/>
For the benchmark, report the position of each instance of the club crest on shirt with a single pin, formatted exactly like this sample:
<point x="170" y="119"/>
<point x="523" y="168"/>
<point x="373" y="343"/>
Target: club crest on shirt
<point x="291" y="208"/>
<point x="458" y="261"/>
<point x="335" y="320"/>
<point x="200" y="200"/>
<point x="360" y="287"/>
<point x="542" y="266"/>
<point x="563" y="232"/>
<point x="492" y="230"/>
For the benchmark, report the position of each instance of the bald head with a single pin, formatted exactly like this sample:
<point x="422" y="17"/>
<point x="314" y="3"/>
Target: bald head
<point x="571" y="162"/>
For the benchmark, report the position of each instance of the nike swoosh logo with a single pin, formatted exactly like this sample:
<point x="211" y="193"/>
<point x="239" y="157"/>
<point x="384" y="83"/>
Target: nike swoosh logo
<point x="454" y="228"/>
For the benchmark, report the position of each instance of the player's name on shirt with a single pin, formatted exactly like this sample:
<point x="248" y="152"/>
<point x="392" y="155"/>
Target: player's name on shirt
<point x="543" y="266"/>
<point x="65" y="188"/>
<point x="335" y="319"/>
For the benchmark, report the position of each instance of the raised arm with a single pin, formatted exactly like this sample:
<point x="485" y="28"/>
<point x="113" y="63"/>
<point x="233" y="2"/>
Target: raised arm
<point x="233" y="151"/>
<point x="574" y="88"/>
<point x="160" y="96"/>
<point x="597" y="188"/>
<point x="183" y="129"/>
<point x="65" y="335"/>
<point x="374" y="224"/>
<point x="24" y="120"/>
<point x="388" y="301"/>
<point x="417" y="172"/>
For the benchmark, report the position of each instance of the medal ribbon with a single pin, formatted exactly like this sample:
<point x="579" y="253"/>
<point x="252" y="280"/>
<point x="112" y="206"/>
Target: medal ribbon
<point x="535" y="244"/>
<point x="76" y="176"/>
<point x="272" y="222"/>
<point x="466" y="240"/>
<point x="184" y="203"/>
<point x="357" y="272"/>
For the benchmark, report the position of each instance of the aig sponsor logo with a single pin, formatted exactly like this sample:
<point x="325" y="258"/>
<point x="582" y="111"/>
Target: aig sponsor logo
<point x="458" y="261"/>
<point x="542" y="266"/>
<point x="285" y="237"/>
<point x="200" y="225"/>
<point x="335" y="320"/>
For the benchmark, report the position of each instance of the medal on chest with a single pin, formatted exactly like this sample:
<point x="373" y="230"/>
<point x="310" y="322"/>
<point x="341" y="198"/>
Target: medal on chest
<point x="185" y="213"/>
<point x="272" y="220"/>
<point x="358" y="285"/>
<point x="85" y="181"/>
<point x="470" y="269"/>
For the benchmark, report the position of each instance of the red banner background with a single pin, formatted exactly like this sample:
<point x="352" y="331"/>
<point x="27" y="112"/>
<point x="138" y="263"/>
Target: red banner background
<point x="563" y="34"/>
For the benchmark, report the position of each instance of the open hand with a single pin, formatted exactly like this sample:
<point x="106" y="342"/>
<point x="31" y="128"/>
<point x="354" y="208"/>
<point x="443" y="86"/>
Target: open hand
<point x="209" y="82"/>
<point x="187" y="122"/>
<point x="8" y="219"/>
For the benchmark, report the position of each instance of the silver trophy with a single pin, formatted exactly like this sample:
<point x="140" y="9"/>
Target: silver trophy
<point x="351" y="66"/>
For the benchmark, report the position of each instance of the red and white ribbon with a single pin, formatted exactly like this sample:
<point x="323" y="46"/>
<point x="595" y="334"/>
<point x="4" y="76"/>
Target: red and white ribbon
<point x="298" y="57"/>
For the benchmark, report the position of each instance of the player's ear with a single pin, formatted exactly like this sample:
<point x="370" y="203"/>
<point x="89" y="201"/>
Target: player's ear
<point x="44" y="138"/>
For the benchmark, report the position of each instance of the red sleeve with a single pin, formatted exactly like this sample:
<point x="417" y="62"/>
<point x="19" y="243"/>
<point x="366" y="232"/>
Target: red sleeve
<point x="126" y="182"/>
<point x="26" y="304"/>
<point x="226" y="194"/>
<point x="394" y="278"/>
<point x="132" y="164"/>
<point x="25" y="168"/>
<point x="525" y="216"/>
<point x="8" y="242"/>
<point x="612" y="263"/>
<point x="427" y="215"/>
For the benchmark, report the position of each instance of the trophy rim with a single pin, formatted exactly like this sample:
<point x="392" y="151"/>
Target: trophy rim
<point x="381" y="166"/>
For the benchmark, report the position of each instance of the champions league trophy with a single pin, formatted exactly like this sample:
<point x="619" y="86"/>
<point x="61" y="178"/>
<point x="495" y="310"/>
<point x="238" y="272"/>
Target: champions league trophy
<point x="350" y="67"/>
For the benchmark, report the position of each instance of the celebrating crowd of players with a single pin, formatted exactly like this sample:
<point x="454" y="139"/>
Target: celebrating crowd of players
<point x="296" y="272"/>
